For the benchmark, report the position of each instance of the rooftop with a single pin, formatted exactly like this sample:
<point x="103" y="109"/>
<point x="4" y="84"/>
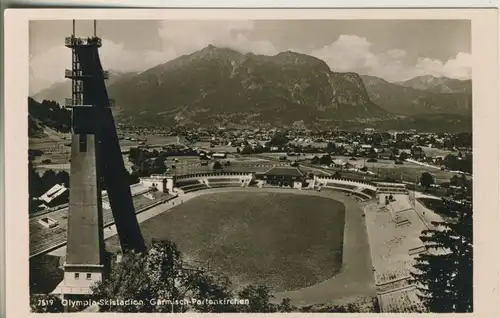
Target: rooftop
<point x="53" y="193"/>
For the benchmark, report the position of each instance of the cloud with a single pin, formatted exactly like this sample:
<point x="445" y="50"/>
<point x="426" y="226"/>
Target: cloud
<point x="459" y="67"/>
<point x="229" y="34"/>
<point x="48" y="67"/>
<point x="351" y="53"/>
<point x="396" y="53"/>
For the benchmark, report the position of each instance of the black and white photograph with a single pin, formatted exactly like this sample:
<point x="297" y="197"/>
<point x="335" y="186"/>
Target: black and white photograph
<point x="250" y="165"/>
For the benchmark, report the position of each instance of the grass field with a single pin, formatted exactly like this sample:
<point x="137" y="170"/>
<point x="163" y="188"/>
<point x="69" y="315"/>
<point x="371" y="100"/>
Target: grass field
<point x="217" y="148"/>
<point x="285" y="241"/>
<point x="411" y="172"/>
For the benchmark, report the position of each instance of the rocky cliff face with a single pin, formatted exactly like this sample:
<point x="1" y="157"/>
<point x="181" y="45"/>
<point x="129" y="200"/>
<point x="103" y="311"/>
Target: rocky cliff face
<point x="218" y="86"/>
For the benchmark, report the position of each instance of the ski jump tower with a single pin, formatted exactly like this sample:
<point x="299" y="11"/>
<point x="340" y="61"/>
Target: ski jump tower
<point x="95" y="158"/>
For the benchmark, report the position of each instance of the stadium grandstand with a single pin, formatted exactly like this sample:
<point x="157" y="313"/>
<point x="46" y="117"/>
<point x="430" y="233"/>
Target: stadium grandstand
<point x="362" y="189"/>
<point x="394" y="228"/>
<point x="199" y="181"/>
<point x="391" y="188"/>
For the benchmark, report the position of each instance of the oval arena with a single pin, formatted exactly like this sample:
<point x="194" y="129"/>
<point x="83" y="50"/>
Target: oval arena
<point x="306" y="237"/>
<point x="303" y="237"/>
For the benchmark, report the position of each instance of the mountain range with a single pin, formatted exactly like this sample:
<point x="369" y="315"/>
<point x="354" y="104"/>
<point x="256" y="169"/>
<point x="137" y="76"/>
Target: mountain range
<point x="421" y="95"/>
<point x="219" y="86"/>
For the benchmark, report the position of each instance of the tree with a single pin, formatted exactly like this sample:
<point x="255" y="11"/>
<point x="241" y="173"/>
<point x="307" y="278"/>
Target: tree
<point x="133" y="177"/>
<point x="325" y="160"/>
<point x="158" y="166"/>
<point x="455" y="181"/>
<point x="331" y="147"/>
<point x="211" y="287"/>
<point x="45" y="304"/>
<point x="451" y="162"/>
<point x="156" y="280"/>
<point x="444" y="275"/>
<point x="217" y="165"/>
<point x="35" y="182"/>
<point x="259" y="299"/>
<point x="286" y="306"/>
<point x="426" y="179"/>
<point x="279" y="139"/>
<point x="246" y="150"/>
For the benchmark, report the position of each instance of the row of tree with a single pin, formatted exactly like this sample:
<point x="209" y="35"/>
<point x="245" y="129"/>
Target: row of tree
<point x="146" y="163"/>
<point x="444" y="275"/>
<point x="48" y="113"/>
<point x="458" y="163"/>
<point x="159" y="281"/>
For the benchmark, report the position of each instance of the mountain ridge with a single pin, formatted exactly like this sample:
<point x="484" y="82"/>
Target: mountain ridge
<point x="441" y="84"/>
<point x="408" y="100"/>
<point x="222" y="86"/>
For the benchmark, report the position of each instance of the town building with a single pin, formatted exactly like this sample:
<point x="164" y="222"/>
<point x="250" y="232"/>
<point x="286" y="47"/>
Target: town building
<point x="385" y="154"/>
<point x="291" y="177"/>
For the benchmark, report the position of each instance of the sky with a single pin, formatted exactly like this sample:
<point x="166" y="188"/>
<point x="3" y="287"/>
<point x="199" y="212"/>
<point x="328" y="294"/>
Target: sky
<point x="395" y="50"/>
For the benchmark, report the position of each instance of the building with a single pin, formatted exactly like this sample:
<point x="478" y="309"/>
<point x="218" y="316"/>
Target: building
<point x="418" y="153"/>
<point x="291" y="177"/>
<point x="385" y="154"/>
<point x="161" y="182"/>
<point x="219" y="155"/>
<point x="56" y="195"/>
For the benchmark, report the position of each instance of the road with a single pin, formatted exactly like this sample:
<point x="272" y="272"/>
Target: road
<point x="423" y="164"/>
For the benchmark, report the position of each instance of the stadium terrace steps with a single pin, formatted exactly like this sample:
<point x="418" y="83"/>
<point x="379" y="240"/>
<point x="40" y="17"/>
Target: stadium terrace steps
<point x="391" y="188"/>
<point x="417" y="250"/>
<point x="225" y="185"/>
<point x="190" y="183"/>
<point x="394" y="232"/>
<point x="401" y="301"/>
<point x="369" y="192"/>
<point x="194" y="187"/>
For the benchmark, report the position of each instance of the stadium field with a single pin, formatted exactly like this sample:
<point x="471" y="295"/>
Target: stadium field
<point x="283" y="240"/>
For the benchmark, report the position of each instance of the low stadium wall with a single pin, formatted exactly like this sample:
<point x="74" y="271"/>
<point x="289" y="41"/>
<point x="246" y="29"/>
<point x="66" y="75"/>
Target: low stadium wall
<point x="213" y="174"/>
<point x="358" y="183"/>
